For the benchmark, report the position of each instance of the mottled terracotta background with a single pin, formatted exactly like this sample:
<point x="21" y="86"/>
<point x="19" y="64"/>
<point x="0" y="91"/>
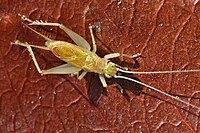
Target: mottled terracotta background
<point x="166" y="32"/>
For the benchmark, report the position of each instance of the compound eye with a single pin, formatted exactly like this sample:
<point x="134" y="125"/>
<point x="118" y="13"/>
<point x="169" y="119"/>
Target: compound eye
<point x="113" y="65"/>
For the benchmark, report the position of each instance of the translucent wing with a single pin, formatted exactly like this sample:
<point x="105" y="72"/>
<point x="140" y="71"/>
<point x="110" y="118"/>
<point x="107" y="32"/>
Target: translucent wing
<point x="80" y="41"/>
<point x="62" y="69"/>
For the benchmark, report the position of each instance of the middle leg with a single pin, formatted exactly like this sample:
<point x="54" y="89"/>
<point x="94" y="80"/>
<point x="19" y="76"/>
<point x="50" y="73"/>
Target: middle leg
<point x="94" y="46"/>
<point x="26" y="44"/>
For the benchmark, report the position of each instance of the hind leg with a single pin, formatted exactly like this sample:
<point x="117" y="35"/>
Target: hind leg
<point x="62" y="69"/>
<point x="80" y="41"/>
<point x="26" y="45"/>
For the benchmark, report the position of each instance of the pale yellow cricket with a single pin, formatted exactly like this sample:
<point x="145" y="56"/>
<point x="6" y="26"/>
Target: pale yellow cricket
<point x="79" y="57"/>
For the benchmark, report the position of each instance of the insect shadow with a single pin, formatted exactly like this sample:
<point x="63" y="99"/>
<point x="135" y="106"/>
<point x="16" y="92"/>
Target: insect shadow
<point x="95" y="88"/>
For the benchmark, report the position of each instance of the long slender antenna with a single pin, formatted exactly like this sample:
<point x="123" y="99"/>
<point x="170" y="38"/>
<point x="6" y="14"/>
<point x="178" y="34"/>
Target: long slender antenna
<point x="158" y="72"/>
<point x="155" y="89"/>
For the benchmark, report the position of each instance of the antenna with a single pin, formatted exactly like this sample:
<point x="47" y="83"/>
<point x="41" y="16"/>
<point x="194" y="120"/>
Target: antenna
<point x="155" y="89"/>
<point x="158" y="72"/>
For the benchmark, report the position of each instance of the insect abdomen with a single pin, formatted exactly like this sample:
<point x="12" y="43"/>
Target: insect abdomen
<point x="78" y="56"/>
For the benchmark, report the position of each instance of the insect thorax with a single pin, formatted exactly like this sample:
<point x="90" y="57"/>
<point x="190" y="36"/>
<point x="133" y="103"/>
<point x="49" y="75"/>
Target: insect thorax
<point x="111" y="70"/>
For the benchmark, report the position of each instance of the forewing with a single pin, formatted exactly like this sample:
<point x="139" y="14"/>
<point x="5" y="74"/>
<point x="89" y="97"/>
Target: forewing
<point x="80" y="41"/>
<point x="62" y="69"/>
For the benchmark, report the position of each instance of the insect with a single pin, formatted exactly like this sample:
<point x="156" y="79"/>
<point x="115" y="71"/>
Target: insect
<point x="81" y="57"/>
